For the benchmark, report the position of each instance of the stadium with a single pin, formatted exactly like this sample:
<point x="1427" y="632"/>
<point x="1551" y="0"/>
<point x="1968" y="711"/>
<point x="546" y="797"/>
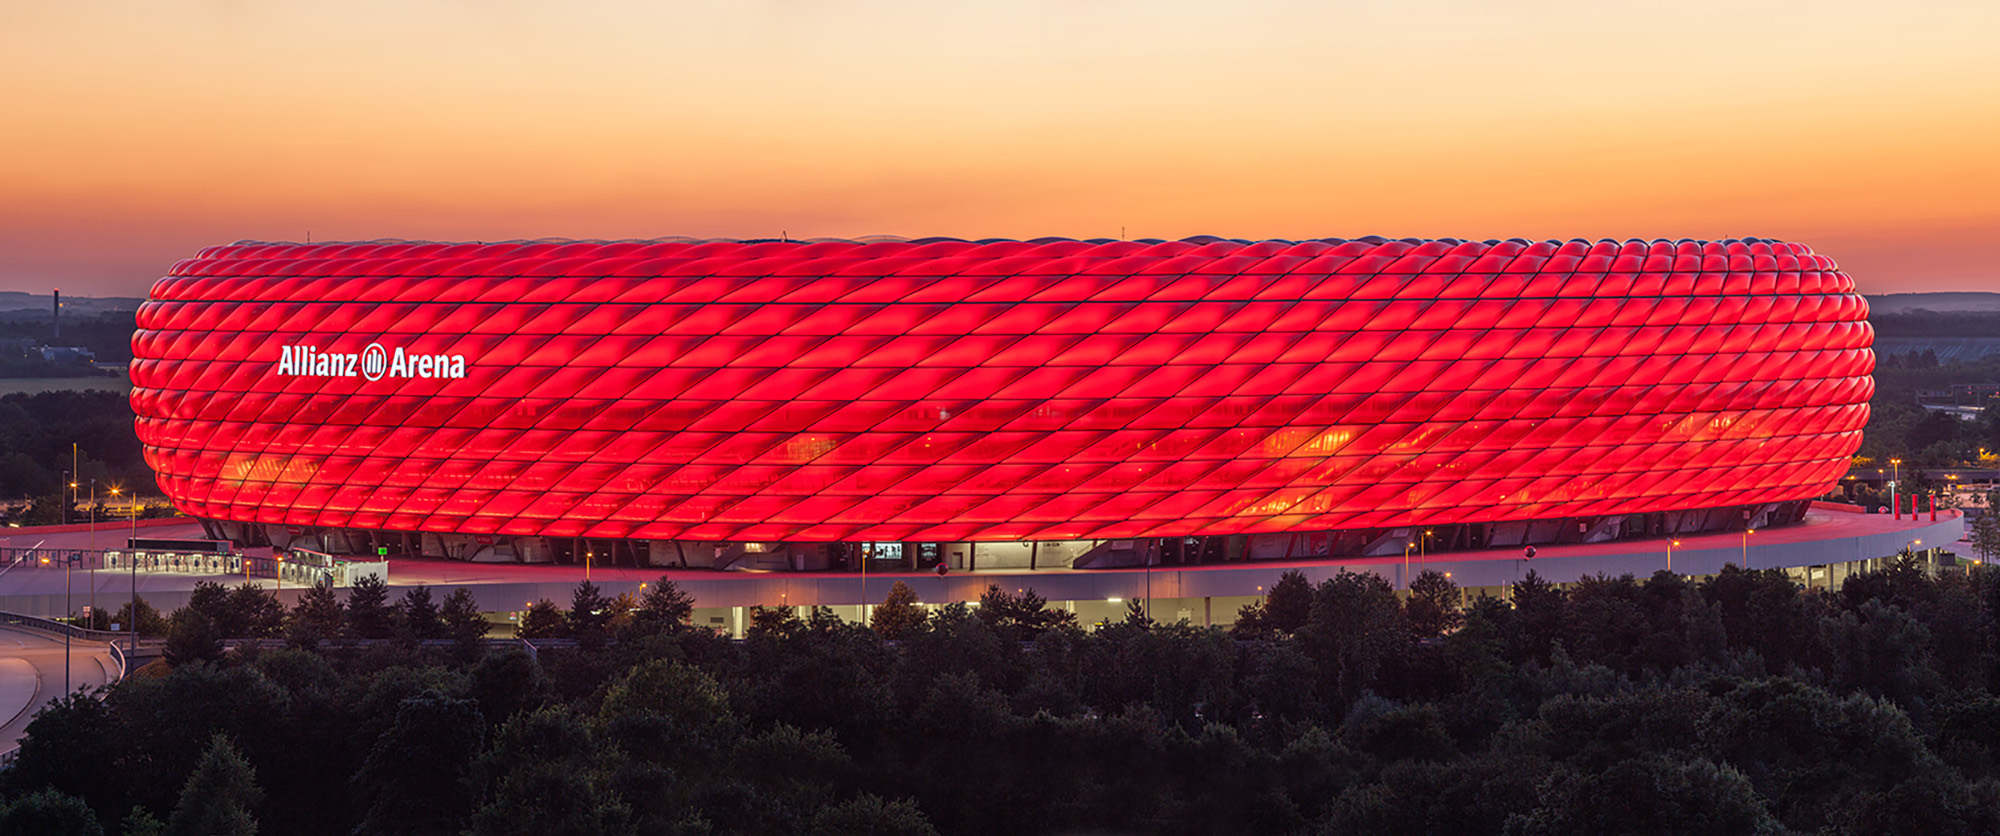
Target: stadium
<point x="1047" y="403"/>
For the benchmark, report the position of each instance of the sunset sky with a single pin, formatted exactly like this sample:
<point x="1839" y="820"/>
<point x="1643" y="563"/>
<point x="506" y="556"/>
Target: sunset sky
<point x="136" y="133"/>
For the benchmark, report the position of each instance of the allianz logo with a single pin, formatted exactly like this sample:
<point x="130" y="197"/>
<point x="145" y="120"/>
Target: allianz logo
<point x="373" y="363"/>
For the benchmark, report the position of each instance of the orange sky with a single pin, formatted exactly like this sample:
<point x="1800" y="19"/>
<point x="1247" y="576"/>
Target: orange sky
<point x="136" y="133"/>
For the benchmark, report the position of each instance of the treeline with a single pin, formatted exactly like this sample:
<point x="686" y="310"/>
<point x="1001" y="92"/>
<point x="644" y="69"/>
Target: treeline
<point x="108" y="335"/>
<point x="36" y="431"/>
<point x="1899" y="428"/>
<point x="1923" y="323"/>
<point x="1741" y="703"/>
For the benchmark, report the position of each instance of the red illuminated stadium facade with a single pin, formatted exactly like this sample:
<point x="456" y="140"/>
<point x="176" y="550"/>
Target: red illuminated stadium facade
<point x="690" y="402"/>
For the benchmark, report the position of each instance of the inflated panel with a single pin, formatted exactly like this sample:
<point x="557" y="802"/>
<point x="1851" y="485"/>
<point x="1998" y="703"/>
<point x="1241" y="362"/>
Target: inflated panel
<point x="942" y="389"/>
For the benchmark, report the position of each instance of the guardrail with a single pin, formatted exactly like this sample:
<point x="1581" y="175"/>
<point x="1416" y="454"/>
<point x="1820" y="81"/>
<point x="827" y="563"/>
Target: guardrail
<point x="50" y="625"/>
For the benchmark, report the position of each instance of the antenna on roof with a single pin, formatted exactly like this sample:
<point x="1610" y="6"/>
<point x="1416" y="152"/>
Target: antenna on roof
<point x="783" y="236"/>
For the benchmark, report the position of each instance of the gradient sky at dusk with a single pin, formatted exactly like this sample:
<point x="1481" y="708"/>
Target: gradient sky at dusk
<point x="136" y="133"/>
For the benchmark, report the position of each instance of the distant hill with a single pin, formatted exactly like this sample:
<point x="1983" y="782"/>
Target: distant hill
<point x="1892" y="303"/>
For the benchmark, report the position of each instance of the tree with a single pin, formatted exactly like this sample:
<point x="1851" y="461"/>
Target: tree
<point x="1021" y="617"/>
<point x="871" y="815"/>
<point x="1136" y="617"/>
<point x="1986" y="532"/>
<point x="317" y="617"/>
<point x="51" y="812"/>
<point x="665" y="607"/>
<point x="192" y="637"/>
<point x="1357" y="627"/>
<point x="775" y="622"/>
<point x="684" y="695"/>
<point x="589" y="613"/>
<point x="899" y="616"/>
<point x="220" y="797"/>
<point x="252" y="612"/>
<point x="419" y="615"/>
<point x="1667" y="794"/>
<point x="66" y="747"/>
<point x="542" y="620"/>
<point x="1289" y="603"/>
<point x="369" y="615"/>
<point x="211" y="599"/>
<point x="1538" y="617"/>
<point x="462" y="618"/>
<point x="141" y="822"/>
<point x="545" y="774"/>
<point x="150" y="622"/>
<point x="417" y="777"/>
<point x="1433" y="605"/>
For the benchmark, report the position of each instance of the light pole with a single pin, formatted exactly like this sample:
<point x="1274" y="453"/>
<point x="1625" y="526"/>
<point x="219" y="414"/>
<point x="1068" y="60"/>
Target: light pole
<point x="69" y="562"/>
<point x="1408" y="583"/>
<point x="1746" y="546"/>
<point x="864" y="584"/>
<point x="93" y="547"/>
<point x="1670" y="554"/>
<point x="1149" y="586"/>
<point x="132" y="561"/>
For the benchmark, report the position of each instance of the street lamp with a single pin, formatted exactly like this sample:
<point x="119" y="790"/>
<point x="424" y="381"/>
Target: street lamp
<point x="93" y="547"/>
<point x="132" y="559"/>
<point x="1670" y="554"/>
<point x="1407" y="582"/>
<point x="1746" y="546"/>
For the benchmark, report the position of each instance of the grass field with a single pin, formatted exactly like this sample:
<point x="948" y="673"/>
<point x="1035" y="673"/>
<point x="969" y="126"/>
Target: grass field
<point x="11" y="385"/>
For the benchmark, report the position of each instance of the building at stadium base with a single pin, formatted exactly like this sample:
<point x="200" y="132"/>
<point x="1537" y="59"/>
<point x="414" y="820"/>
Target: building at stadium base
<point x="1050" y="403"/>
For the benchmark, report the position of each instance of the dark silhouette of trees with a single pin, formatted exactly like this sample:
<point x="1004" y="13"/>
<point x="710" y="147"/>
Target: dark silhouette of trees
<point x="542" y="620"/>
<point x="192" y="637"/>
<point x="318" y="616"/>
<point x="220" y="798"/>
<point x="1433" y="605"/>
<point x="1741" y="703"/>
<point x="417" y="614"/>
<point x="417" y="777"/>
<point x="664" y="608"/>
<point x="899" y="616"/>
<point x="462" y="618"/>
<point x="51" y="812"/>
<point x="150" y="622"/>
<point x="369" y="614"/>
<point x="1021" y="616"/>
<point x="589" y="617"/>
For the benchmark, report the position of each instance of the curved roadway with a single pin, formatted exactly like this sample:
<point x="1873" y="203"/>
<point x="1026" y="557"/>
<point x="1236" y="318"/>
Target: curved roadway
<point x="31" y="674"/>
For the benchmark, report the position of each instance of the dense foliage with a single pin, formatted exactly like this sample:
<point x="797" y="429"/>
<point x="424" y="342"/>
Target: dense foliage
<point x="36" y="432"/>
<point x="1899" y="428"/>
<point x="1740" y="703"/>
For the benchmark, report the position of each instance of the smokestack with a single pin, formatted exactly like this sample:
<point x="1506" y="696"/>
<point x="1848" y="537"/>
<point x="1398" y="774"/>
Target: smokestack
<point x="57" y="319"/>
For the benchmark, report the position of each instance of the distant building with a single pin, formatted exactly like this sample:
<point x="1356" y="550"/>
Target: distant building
<point x="66" y="354"/>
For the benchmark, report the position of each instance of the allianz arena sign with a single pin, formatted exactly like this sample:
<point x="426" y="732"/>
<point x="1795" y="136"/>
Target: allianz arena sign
<point x="372" y="363"/>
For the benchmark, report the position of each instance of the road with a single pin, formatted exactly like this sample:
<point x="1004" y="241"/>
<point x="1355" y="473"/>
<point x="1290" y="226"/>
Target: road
<point x="31" y="673"/>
